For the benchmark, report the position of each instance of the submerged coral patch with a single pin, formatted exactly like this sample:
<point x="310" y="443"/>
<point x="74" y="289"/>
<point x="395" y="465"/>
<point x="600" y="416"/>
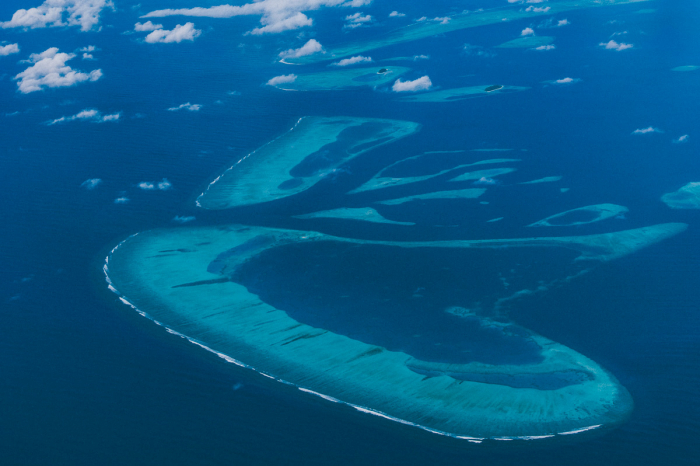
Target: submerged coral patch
<point x="687" y="197"/>
<point x="292" y="163"/>
<point x="581" y="216"/>
<point x="462" y="93"/>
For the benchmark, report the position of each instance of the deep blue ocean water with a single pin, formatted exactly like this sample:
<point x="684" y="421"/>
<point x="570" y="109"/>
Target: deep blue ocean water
<point x="85" y="380"/>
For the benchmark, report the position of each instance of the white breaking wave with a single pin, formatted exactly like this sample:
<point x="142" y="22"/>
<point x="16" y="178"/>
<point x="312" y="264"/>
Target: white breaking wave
<point x="585" y="429"/>
<point x="241" y="160"/>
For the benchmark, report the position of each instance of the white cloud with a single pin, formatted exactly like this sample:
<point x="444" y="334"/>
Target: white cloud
<point x="485" y="181"/>
<point x="162" y="185"/>
<point x="544" y="47"/>
<point x="285" y="78"/>
<point x="648" y="130"/>
<point x="356" y="20"/>
<point x="147" y="27"/>
<point x="396" y="14"/>
<point x="178" y="34"/>
<point x="87" y="52"/>
<point x="309" y="48"/>
<point x="527" y="32"/>
<point x="566" y="81"/>
<point x="183" y="219"/>
<point x="621" y="33"/>
<point x="276" y="15"/>
<point x="121" y="200"/>
<point x="56" y="13"/>
<point x="612" y="45"/>
<point x="419" y="84"/>
<point x="681" y="139"/>
<point x="90" y="114"/>
<point x="352" y="61"/>
<point x="186" y="106"/>
<point x="438" y="19"/>
<point x="297" y="21"/>
<point x="8" y="49"/>
<point x="91" y="183"/>
<point x="421" y="57"/>
<point x="563" y="22"/>
<point x="49" y="69"/>
<point x="534" y="9"/>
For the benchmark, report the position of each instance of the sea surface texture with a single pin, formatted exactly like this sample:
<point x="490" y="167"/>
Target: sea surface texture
<point x="349" y="232"/>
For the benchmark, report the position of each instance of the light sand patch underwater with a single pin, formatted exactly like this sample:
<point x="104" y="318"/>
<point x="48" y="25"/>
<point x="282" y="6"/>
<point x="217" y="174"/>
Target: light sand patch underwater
<point x="470" y="193"/>
<point x="687" y="197"/>
<point x="383" y="179"/>
<point x="529" y="42"/>
<point x="185" y="279"/>
<point x="462" y="93"/>
<point x="483" y="175"/>
<point x="686" y="68"/>
<point x="365" y="214"/>
<point x="546" y="179"/>
<point x="581" y="216"/>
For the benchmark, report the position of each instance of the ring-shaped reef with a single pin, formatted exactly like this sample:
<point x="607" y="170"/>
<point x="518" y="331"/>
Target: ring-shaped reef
<point x="465" y="20"/>
<point x="314" y="148"/>
<point x="186" y="280"/>
<point x="582" y="216"/>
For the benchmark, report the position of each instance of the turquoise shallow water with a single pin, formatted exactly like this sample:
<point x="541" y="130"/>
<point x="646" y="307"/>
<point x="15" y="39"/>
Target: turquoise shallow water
<point x="90" y="381"/>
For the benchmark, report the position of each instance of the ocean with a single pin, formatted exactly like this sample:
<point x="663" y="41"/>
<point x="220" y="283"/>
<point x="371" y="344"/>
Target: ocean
<point x="86" y="380"/>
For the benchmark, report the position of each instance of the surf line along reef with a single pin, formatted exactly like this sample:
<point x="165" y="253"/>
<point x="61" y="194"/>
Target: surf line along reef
<point x="189" y="281"/>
